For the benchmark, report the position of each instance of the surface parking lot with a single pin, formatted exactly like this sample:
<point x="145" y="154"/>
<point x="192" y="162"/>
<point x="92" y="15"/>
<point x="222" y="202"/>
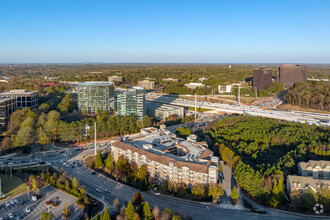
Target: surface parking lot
<point x="38" y="207"/>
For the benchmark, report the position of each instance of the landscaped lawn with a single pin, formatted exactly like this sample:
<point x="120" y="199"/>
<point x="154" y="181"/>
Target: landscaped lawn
<point x="12" y="186"/>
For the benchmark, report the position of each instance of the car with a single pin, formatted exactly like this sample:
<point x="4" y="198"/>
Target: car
<point x="98" y="190"/>
<point x="107" y="190"/>
<point x="27" y="209"/>
<point x="10" y="215"/>
<point x="7" y="203"/>
<point x="21" y="202"/>
<point x="12" y="202"/>
<point x="93" y="173"/>
<point x="1" y="218"/>
<point x="16" y="201"/>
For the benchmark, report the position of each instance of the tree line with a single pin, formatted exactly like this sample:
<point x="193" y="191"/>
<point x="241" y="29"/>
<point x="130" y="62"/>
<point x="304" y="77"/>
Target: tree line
<point x="262" y="151"/>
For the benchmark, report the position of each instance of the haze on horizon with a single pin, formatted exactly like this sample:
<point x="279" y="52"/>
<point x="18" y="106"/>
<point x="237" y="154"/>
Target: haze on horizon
<point x="165" y="31"/>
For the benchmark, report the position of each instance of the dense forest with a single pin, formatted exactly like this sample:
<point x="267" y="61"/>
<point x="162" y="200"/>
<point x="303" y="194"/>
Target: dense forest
<point x="262" y="151"/>
<point x="311" y="95"/>
<point x="216" y="74"/>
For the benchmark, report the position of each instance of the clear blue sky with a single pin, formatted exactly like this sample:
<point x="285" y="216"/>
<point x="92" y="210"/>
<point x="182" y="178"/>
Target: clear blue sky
<point x="248" y="31"/>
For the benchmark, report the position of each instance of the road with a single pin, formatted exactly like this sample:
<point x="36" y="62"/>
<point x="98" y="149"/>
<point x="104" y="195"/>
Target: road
<point x="124" y="193"/>
<point x="296" y="116"/>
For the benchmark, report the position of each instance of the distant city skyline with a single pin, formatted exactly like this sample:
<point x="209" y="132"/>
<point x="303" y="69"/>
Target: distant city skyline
<point x="215" y="32"/>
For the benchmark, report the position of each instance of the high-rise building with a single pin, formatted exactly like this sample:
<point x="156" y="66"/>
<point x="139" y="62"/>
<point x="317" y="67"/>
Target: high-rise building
<point x="262" y="78"/>
<point x="288" y="74"/>
<point x="115" y="78"/>
<point x="132" y="102"/>
<point x="94" y="96"/>
<point x="23" y="98"/>
<point x="7" y="106"/>
<point x="147" y="84"/>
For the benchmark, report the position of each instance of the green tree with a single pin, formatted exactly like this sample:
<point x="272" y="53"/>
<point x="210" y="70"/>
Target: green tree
<point x="129" y="211"/>
<point x="106" y="215"/>
<point x="176" y="217"/>
<point x="146" y="211"/>
<point x="43" y="138"/>
<point x="234" y="194"/>
<point x="309" y="199"/>
<point x="46" y="216"/>
<point x="109" y="162"/>
<point x="142" y="174"/>
<point x="115" y="202"/>
<point x="137" y="199"/>
<point x="215" y="191"/>
<point x="277" y="196"/>
<point x="75" y="183"/>
<point x="198" y="190"/>
<point x="98" y="162"/>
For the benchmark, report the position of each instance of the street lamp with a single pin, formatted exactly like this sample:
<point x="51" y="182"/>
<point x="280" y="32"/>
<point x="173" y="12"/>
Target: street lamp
<point x="28" y="192"/>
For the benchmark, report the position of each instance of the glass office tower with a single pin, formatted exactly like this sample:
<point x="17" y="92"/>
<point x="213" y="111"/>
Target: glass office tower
<point x="132" y="102"/>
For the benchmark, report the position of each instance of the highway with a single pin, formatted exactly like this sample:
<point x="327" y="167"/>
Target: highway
<point x="124" y="193"/>
<point x="295" y="116"/>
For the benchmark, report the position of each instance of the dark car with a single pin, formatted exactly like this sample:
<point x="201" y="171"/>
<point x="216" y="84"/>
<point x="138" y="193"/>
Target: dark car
<point x="93" y="173"/>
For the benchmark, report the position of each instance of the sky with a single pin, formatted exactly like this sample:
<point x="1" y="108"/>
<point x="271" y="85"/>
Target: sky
<point x="165" y="31"/>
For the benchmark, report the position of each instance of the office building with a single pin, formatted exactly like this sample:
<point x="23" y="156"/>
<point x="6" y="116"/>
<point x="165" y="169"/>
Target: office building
<point x="23" y="98"/>
<point x="147" y="84"/>
<point x="289" y="74"/>
<point x="115" y="78"/>
<point x="7" y="106"/>
<point x="170" y="80"/>
<point x="163" y="111"/>
<point x="94" y="96"/>
<point x="132" y="102"/>
<point x="193" y="85"/>
<point x="262" y="78"/>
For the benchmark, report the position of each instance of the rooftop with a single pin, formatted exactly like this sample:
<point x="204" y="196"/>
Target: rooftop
<point x="312" y="164"/>
<point x="96" y="83"/>
<point x="19" y="91"/>
<point x="303" y="182"/>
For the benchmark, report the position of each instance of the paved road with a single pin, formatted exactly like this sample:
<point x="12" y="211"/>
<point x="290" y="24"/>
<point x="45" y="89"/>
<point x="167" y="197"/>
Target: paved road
<point x="39" y="207"/>
<point x="124" y="193"/>
<point x="303" y="117"/>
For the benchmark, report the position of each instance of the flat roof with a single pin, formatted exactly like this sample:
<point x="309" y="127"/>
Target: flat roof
<point x="96" y="83"/>
<point x="161" y="107"/>
<point x="19" y="91"/>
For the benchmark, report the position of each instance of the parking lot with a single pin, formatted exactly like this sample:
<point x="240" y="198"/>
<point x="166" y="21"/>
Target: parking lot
<point x="18" y="210"/>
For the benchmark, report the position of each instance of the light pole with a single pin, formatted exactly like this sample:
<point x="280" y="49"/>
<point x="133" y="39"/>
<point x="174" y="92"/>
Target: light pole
<point x="95" y="139"/>
<point x="28" y="192"/>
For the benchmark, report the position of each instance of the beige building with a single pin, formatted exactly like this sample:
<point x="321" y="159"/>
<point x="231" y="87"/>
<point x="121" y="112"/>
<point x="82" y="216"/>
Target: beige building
<point x="162" y="111"/>
<point x="162" y="167"/>
<point x="193" y="85"/>
<point x="316" y="169"/>
<point x="170" y="80"/>
<point x="115" y="78"/>
<point x="302" y="183"/>
<point x="147" y="84"/>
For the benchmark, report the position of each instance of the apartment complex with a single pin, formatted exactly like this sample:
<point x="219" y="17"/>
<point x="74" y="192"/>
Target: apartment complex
<point x="262" y="78"/>
<point x="313" y="174"/>
<point x="7" y="106"/>
<point x="94" y="96"/>
<point x="318" y="169"/>
<point x="132" y="102"/>
<point x="288" y="74"/>
<point x="147" y="84"/>
<point x="302" y="183"/>
<point x="115" y="78"/>
<point x="168" y="157"/>
<point x="162" y="111"/>
<point x="23" y="98"/>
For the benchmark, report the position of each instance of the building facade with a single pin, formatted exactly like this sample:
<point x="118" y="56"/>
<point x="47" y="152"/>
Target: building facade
<point x="317" y="169"/>
<point x="132" y="102"/>
<point x="162" y="167"/>
<point x="115" y="78"/>
<point x="170" y="80"/>
<point x="94" y="96"/>
<point x="302" y="183"/>
<point x="193" y="85"/>
<point x="162" y="111"/>
<point x="147" y="84"/>
<point x="7" y="106"/>
<point x="288" y="74"/>
<point x="23" y="98"/>
<point x="262" y="78"/>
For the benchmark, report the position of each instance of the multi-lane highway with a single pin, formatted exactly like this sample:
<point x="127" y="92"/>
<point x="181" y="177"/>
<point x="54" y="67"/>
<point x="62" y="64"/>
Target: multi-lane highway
<point x="124" y="193"/>
<point x="296" y="116"/>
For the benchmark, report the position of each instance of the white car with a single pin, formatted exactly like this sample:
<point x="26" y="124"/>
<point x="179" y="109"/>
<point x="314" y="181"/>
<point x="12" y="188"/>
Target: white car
<point x="27" y="210"/>
<point x="98" y="190"/>
<point x="16" y="201"/>
<point x="10" y="215"/>
<point x="7" y="203"/>
<point x="12" y="202"/>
